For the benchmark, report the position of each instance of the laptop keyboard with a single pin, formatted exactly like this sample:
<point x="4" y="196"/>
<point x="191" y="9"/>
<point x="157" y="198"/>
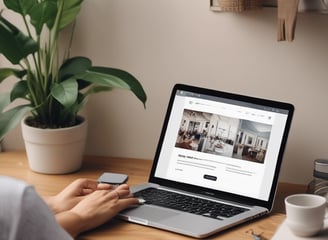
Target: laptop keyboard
<point x="187" y="203"/>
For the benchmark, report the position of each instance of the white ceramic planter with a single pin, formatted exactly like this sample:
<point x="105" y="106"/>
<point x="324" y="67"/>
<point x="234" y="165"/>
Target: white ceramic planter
<point x="55" y="151"/>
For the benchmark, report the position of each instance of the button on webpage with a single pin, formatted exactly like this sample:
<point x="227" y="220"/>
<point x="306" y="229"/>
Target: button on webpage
<point x="209" y="177"/>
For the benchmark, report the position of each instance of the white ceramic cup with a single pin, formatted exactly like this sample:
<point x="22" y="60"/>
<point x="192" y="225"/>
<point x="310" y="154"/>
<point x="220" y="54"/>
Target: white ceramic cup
<point x="305" y="214"/>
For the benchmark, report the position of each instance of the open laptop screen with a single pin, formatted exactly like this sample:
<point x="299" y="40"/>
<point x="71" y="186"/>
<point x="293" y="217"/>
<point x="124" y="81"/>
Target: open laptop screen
<point x="221" y="141"/>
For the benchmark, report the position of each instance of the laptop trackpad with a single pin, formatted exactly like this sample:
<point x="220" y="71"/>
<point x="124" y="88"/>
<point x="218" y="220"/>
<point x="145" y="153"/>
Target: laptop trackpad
<point x="149" y="213"/>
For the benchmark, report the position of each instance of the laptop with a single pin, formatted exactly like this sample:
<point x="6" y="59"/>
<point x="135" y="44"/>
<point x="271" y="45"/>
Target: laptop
<point x="219" y="150"/>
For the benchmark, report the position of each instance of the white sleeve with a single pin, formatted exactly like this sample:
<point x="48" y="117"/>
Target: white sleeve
<point x="24" y="215"/>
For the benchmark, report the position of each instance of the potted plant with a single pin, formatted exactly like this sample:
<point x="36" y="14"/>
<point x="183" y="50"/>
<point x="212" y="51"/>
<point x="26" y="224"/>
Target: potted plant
<point x="53" y="85"/>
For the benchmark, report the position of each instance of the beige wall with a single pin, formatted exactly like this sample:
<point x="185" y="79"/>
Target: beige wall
<point x="163" y="42"/>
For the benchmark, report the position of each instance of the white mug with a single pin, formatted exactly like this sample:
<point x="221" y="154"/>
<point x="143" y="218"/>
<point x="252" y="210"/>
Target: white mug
<point x="305" y="214"/>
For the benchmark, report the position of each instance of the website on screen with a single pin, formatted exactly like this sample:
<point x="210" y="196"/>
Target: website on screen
<point x="222" y="146"/>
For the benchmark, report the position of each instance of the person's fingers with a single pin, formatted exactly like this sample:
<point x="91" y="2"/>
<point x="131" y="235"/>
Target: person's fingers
<point x="123" y="187"/>
<point x="122" y="194"/>
<point x="87" y="191"/>
<point x="104" y="186"/>
<point x="88" y="184"/>
<point x="123" y="191"/>
<point x="100" y="206"/>
<point x="127" y="202"/>
<point x="122" y="199"/>
<point x="81" y="184"/>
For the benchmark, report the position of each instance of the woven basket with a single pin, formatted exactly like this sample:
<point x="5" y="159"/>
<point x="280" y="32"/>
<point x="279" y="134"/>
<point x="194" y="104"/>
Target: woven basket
<point x="239" y="5"/>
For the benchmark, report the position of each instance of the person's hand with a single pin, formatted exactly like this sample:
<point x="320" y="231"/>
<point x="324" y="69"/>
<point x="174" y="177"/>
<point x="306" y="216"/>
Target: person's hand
<point x="73" y="194"/>
<point x="95" y="209"/>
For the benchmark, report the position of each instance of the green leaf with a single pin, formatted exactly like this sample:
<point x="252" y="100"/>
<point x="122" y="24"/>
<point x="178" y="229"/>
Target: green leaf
<point x="43" y="13"/>
<point x="70" y="11"/>
<point x="75" y="108"/>
<point x="97" y="89"/>
<point x="20" y="90"/>
<point x="73" y="66"/>
<point x="7" y="72"/>
<point x="14" y="44"/>
<point x="4" y="100"/>
<point x="10" y="118"/>
<point x="20" y="6"/>
<point x="114" y="78"/>
<point x="65" y="92"/>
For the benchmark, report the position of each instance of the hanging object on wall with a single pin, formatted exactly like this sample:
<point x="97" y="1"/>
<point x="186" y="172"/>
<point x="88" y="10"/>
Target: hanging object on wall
<point x="287" y="11"/>
<point x="316" y="6"/>
<point x="287" y="15"/>
<point x="235" y="5"/>
<point x="319" y="6"/>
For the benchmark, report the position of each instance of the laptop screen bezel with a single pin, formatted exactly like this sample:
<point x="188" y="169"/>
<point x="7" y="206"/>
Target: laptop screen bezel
<point x="286" y="107"/>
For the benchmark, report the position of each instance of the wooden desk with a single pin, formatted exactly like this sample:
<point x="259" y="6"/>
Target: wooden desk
<point x="14" y="164"/>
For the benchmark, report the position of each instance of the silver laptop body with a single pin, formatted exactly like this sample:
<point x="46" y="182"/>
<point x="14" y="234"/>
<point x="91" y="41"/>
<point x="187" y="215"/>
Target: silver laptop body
<point x="218" y="146"/>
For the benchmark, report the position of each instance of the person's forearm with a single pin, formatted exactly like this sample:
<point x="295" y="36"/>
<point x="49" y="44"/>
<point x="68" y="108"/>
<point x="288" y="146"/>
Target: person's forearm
<point x="71" y="222"/>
